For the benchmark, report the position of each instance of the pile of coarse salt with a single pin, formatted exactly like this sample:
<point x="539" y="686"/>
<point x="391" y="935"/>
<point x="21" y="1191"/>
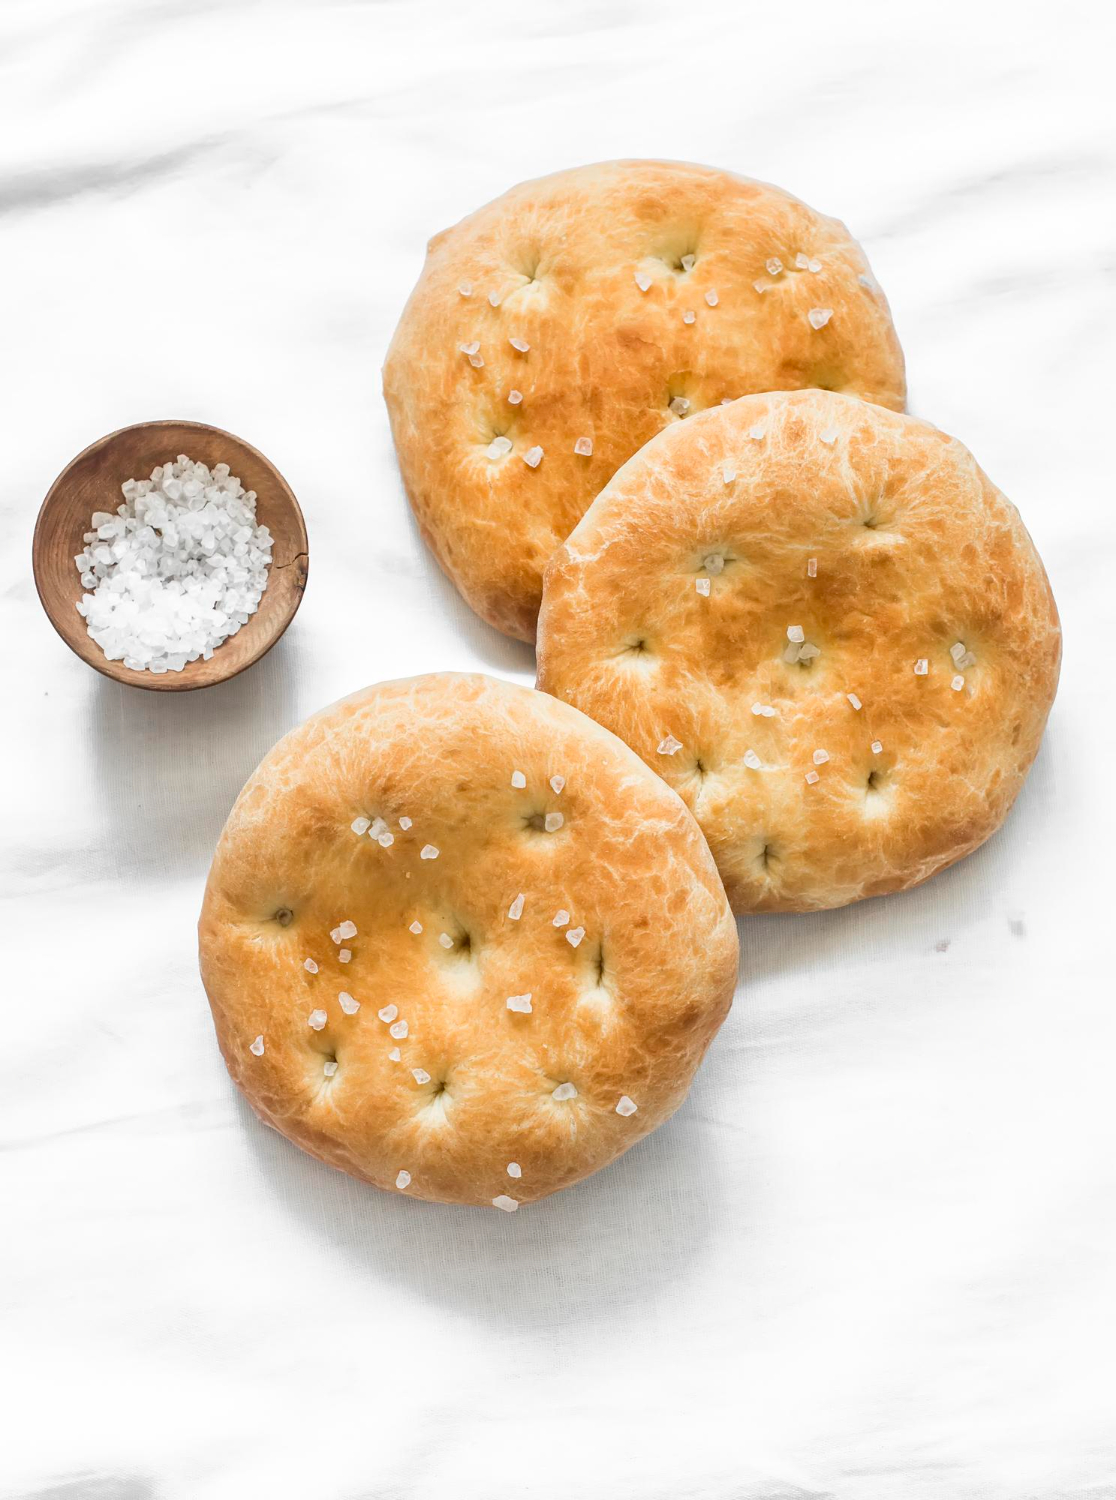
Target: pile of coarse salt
<point x="178" y="569"/>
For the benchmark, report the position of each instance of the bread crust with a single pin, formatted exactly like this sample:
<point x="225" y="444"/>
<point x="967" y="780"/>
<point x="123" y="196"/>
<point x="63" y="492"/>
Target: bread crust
<point x="606" y="358"/>
<point x="915" y="554"/>
<point x="628" y="1011"/>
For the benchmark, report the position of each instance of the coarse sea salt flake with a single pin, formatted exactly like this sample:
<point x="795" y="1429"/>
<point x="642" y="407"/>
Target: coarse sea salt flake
<point x="796" y="634"/>
<point x="415" y="927"/>
<point x="957" y="683"/>
<point x="429" y="851"/>
<point x="344" y="954"/>
<point x="466" y="288"/>
<point x="561" y="918"/>
<point x="774" y="265"/>
<point x="498" y="447"/>
<point x="515" y="910"/>
<point x="395" y="1055"/>
<point x="668" y="745"/>
<point x="257" y="1046"/>
<point x="494" y="299"/>
<point x="347" y="1003"/>
<point x="330" y="1068"/>
<point x="347" y="929"/>
<point x="757" y="432"/>
<point x="404" y="823"/>
<point x="553" y="821"/>
<point x="703" y="585"/>
<point x="711" y="297"/>
<point x="752" y="760"/>
<point x="445" y="940"/>
<point x="819" y="316"/>
<point x="556" y="784"/>
<point x="518" y="780"/>
<point x="521" y="344"/>
<point x="177" y="570"/>
<point x="689" y="315"/>
<point x="521" y="1004"/>
<point x="584" y="447"/>
<point x="679" y="405"/>
<point x="626" y="1106"/>
<point x="820" y="757"/>
<point x="921" y="667"/>
<point x="360" y="825"/>
<point x="564" y="1091"/>
<point x="316" y="1020"/>
<point x="309" y="965"/>
<point x="801" y="261"/>
<point x="812" y="777"/>
<point x="728" y="473"/>
<point x="533" y="457"/>
<point x="470" y="349"/>
<point x="420" y="1075"/>
<point x="514" y="1169"/>
<point x="642" y="280"/>
<point x="855" y="701"/>
<point x="388" y="1013"/>
<point x="829" y="435"/>
<point x="403" y="1180"/>
<point x="398" y="1030"/>
<point x="515" y="397"/>
<point x="876" y="747"/>
<point x="574" y="936"/>
<point x="509" y="1205"/>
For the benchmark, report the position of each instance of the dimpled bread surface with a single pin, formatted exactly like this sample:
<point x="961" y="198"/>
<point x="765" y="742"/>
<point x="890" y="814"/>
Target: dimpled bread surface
<point x="632" y="285"/>
<point x="825" y="627"/>
<point x="446" y="1089"/>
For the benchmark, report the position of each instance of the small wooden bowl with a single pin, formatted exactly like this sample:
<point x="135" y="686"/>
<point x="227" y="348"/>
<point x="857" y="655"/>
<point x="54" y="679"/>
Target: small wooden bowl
<point x="92" y="482"/>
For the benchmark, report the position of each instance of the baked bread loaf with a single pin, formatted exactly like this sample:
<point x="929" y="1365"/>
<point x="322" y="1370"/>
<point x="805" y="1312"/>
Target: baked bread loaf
<point x="460" y="942"/>
<point x="825" y="627"/>
<point x="554" y="332"/>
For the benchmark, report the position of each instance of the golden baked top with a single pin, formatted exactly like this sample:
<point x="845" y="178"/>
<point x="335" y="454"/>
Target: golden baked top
<point x="826" y="629"/>
<point x="555" y="331"/>
<point x="458" y="941"/>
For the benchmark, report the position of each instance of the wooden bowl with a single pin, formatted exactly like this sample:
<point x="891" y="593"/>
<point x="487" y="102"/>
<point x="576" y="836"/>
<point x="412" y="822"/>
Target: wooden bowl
<point x="92" y="482"/>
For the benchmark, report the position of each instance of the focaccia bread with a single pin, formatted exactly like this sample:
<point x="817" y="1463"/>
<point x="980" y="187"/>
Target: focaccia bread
<point x="825" y="627"/>
<point x="459" y="941"/>
<point x="555" y="331"/>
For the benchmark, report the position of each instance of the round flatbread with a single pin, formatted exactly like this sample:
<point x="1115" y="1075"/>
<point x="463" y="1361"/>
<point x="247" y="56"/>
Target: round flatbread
<point x="557" y="330"/>
<point x="825" y="627"/>
<point x="460" y="942"/>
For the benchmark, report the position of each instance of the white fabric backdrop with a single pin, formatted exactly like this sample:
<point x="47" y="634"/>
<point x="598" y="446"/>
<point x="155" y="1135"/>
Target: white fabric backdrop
<point x="872" y="1257"/>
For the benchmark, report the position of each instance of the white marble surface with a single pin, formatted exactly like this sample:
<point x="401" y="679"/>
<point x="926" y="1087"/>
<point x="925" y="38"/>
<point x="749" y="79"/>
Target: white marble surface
<point x="872" y="1256"/>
